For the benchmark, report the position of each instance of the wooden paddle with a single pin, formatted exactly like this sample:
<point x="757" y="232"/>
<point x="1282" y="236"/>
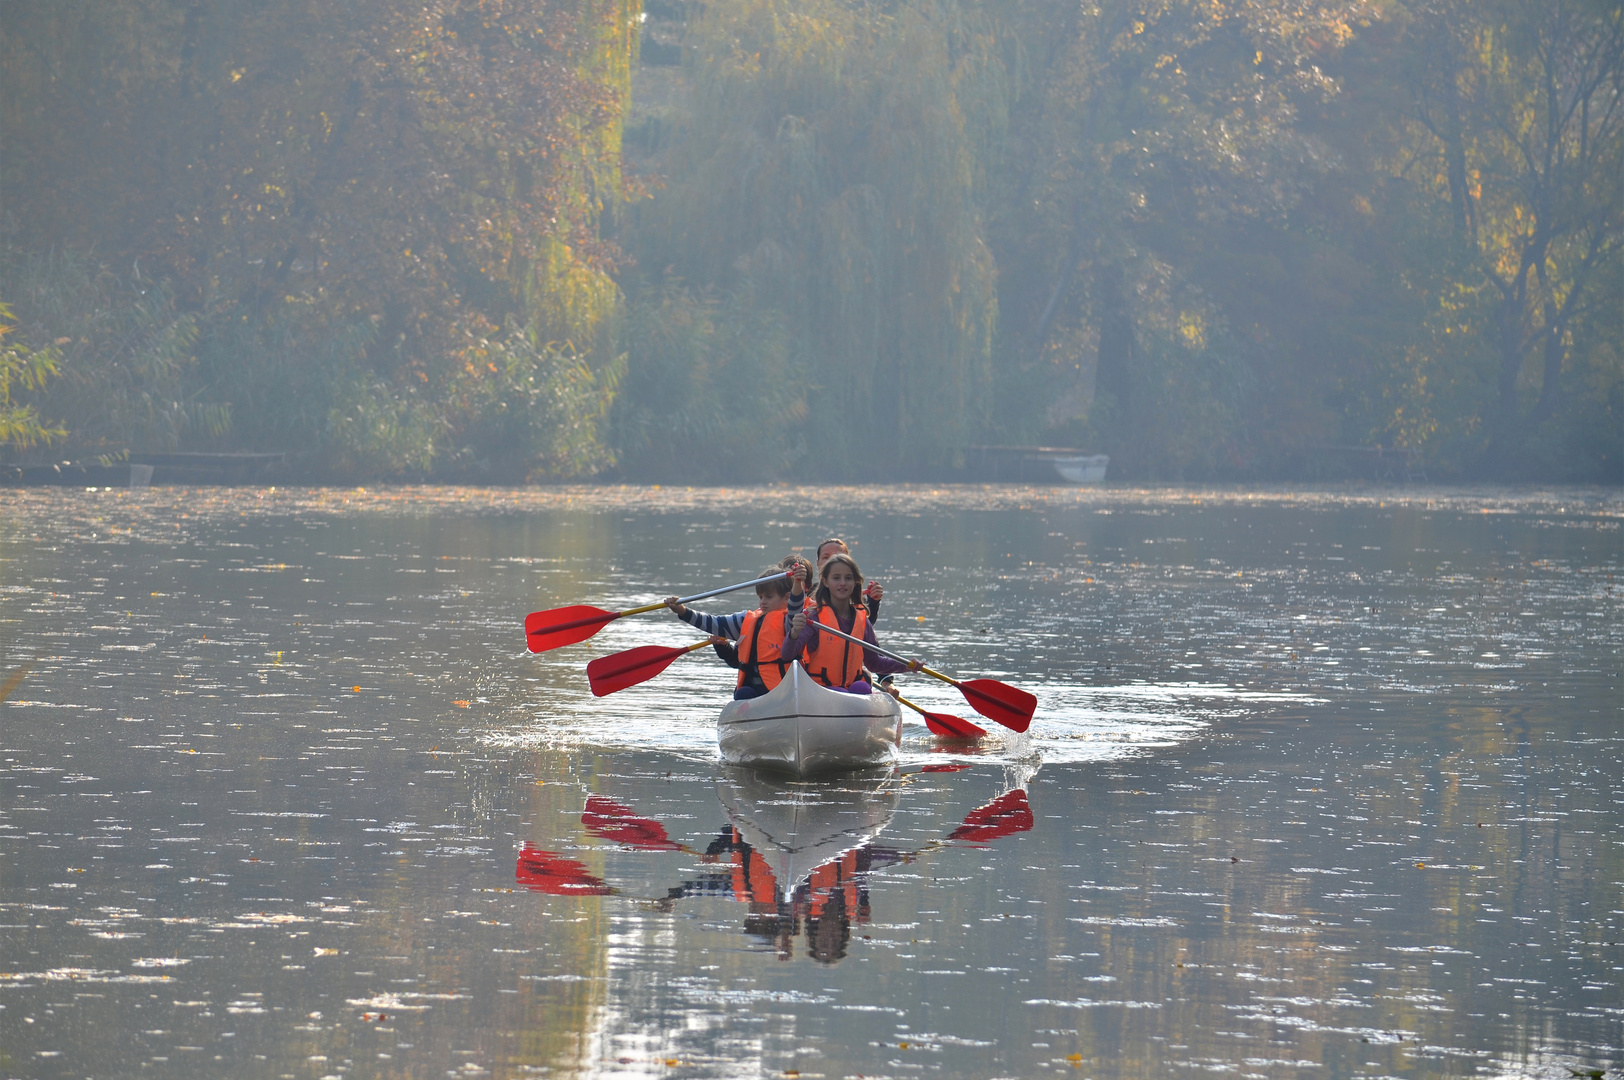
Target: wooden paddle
<point x="622" y="669"/>
<point x="945" y="725"/>
<point x="1008" y="705"/>
<point x="557" y="627"/>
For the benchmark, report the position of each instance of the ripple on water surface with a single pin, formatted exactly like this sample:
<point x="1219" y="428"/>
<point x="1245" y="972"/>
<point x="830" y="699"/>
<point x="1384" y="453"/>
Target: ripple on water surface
<point x="1321" y="784"/>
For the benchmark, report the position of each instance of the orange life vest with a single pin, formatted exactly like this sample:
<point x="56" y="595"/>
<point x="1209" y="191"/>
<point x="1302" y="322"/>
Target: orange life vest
<point x="761" y="645"/>
<point x="831" y="660"/>
<point x="838" y="877"/>
<point x="753" y="881"/>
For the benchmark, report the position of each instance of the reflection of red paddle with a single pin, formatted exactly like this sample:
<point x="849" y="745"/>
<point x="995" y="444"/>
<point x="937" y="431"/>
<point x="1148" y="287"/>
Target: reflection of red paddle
<point x="14" y="680"/>
<point x="619" y="670"/>
<point x="550" y="873"/>
<point x="946" y="725"/>
<point x="608" y="820"/>
<point x="1009" y="705"/>
<point x="1009" y="813"/>
<point x="557" y="627"/>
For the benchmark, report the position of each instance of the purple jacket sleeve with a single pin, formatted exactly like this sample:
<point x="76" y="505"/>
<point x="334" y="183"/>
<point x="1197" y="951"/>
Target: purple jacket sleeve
<point x="796" y="644"/>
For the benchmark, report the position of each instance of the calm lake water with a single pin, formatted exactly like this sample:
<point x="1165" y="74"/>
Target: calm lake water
<point x="1322" y="784"/>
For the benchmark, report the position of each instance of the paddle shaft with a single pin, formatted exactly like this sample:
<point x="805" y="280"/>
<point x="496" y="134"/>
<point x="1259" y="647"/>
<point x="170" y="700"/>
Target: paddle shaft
<point x="715" y="592"/>
<point x="606" y="616"/>
<point x="911" y="705"/>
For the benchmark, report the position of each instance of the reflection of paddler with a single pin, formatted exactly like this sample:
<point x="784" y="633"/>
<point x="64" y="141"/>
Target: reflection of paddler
<point x="833" y="897"/>
<point x="775" y="829"/>
<point x="817" y="839"/>
<point x="799" y="825"/>
<point x="753" y="881"/>
<point x="838" y="881"/>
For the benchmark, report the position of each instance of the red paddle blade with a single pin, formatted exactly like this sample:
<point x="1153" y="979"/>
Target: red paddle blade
<point x="1008" y="705"/>
<point x="622" y="669"/>
<point x="562" y="626"/>
<point x="951" y="727"/>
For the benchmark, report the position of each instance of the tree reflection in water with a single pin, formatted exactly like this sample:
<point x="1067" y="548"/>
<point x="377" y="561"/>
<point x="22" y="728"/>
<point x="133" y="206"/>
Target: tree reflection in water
<point x="826" y="901"/>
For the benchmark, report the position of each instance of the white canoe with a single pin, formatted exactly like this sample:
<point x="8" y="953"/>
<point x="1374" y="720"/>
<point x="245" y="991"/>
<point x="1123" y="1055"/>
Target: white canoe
<point x="802" y="728"/>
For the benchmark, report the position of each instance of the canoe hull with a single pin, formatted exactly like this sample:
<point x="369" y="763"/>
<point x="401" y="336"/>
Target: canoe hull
<point x="804" y="729"/>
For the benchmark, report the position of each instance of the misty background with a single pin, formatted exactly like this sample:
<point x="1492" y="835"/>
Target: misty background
<point x="529" y="240"/>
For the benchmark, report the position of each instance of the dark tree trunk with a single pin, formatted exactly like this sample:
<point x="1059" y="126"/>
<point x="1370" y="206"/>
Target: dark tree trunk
<point x="1509" y="426"/>
<point x="1550" y="388"/>
<point x="1113" y="310"/>
<point x="1062" y="286"/>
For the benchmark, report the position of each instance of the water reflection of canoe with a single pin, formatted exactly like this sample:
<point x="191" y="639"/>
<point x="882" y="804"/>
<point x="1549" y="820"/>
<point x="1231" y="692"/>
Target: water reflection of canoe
<point x="800" y="826"/>
<point x="803" y="728"/>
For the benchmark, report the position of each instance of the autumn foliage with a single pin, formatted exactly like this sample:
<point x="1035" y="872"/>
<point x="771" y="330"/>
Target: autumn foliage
<point x="406" y="199"/>
<point x="532" y="239"/>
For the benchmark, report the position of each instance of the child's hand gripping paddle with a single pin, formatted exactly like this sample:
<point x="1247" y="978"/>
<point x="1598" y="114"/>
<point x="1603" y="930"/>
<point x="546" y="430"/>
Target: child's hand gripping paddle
<point x="1008" y="705"/>
<point x="622" y="669"/>
<point x="557" y="627"/>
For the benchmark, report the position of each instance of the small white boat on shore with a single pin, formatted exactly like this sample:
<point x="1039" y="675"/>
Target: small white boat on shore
<point x="803" y="728"/>
<point x="1039" y="464"/>
<point x="1089" y="469"/>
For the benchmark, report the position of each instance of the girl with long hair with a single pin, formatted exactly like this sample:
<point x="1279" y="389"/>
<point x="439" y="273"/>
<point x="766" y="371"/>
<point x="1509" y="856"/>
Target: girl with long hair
<point x="832" y="661"/>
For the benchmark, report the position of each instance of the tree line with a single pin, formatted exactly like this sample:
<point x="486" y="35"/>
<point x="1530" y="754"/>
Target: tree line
<point x="828" y="239"/>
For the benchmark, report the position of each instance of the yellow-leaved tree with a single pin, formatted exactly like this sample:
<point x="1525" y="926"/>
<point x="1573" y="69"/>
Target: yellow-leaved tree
<point x="22" y="369"/>
<point x="1515" y="124"/>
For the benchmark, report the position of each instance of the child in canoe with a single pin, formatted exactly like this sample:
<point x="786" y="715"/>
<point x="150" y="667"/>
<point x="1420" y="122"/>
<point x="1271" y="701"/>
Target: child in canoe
<point x="832" y="661"/>
<point x="759" y="651"/>
<point x="872" y="592"/>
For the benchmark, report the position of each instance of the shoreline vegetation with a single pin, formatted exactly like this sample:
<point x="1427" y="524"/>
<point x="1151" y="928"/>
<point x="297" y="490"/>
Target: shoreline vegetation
<point x="670" y="242"/>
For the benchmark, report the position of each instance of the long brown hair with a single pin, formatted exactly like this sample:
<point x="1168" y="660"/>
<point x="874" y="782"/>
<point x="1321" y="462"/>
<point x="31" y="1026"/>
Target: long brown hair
<point x="823" y="596"/>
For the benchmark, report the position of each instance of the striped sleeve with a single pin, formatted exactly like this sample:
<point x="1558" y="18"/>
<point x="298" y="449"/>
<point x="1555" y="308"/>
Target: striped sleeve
<point x="728" y="626"/>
